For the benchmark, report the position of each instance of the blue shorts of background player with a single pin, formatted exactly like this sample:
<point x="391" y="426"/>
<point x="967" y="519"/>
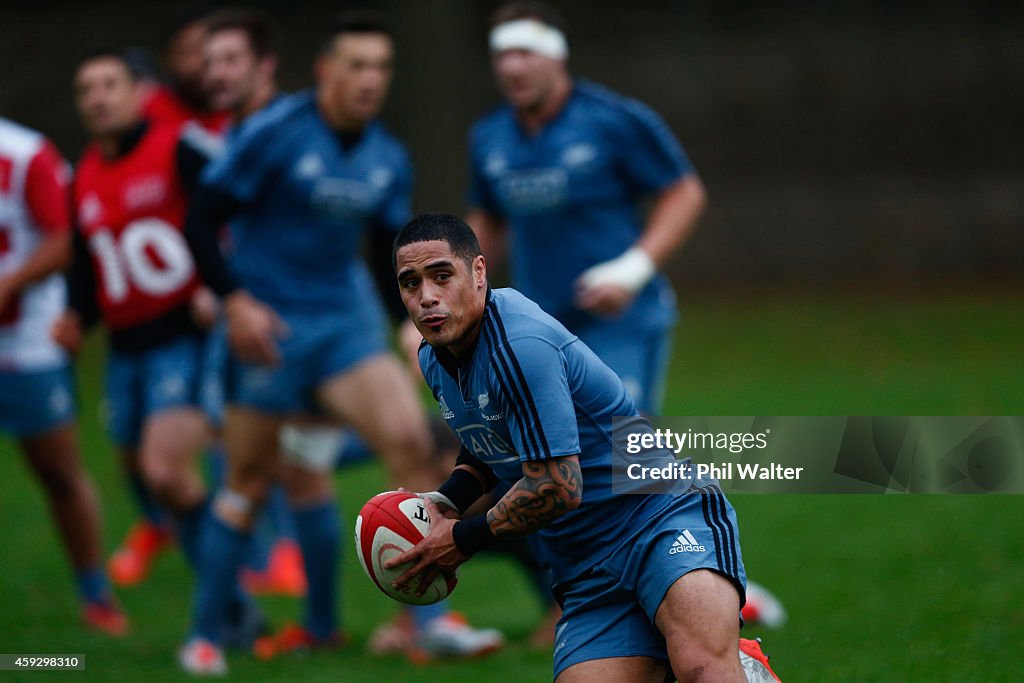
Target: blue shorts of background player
<point x="142" y="384"/>
<point x="639" y="357"/>
<point x="610" y="610"/>
<point x="315" y="348"/>
<point x="34" y="402"/>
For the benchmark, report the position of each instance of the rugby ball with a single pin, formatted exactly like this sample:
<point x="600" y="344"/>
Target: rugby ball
<point x="389" y="524"/>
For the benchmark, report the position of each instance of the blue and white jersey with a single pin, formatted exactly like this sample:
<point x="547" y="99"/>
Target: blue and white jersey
<point x="307" y="203"/>
<point x="532" y="391"/>
<point x="569" y="194"/>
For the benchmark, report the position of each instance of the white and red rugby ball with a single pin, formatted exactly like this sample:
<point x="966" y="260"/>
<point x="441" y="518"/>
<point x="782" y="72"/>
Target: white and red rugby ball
<point x="389" y="524"/>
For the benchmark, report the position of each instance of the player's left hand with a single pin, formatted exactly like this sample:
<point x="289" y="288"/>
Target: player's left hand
<point x="253" y="329"/>
<point x="603" y="299"/>
<point x="435" y="554"/>
<point x="607" y="288"/>
<point x="204" y="307"/>
<point x="67" y="331"/>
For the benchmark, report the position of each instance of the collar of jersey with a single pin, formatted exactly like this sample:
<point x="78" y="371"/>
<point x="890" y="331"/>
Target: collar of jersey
<point x="130" y="140"/>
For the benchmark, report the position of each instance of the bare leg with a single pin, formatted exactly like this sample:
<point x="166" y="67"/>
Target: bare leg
<point x="55" y="461"/>
<point x="378" y="399"/>
<point x="172" y="441"/>
<point x="305" y="487"/>
<point x="699" y="618"/>
<point x="250" y="438"/>
<point x="633" y="669"/>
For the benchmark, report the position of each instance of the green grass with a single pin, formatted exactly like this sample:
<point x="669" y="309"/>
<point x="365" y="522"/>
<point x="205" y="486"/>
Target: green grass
<point x="879" y="588"/>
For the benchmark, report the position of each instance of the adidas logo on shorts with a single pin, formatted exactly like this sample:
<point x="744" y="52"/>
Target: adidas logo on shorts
<point x="685" y="543"/>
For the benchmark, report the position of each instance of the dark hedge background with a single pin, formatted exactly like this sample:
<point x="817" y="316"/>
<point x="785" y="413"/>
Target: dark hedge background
<point x="852" y="143"/>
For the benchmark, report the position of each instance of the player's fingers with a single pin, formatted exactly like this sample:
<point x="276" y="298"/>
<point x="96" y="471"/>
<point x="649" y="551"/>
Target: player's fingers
<point x="246" y="349"/>
<point x="410" y="555"/>
<point x="432" y="508"/>
<point x="240" y="343"/>
<point x="243" y="353"/>
<point x="279" y="326"/>
<point x="266" y="349"/>
<point x="585" y="296"/>
<point x="411" y="573"/>
<point x="427" y="579"/>
<point x="255" y="351"/>
<point x="602" y="299"/>
<point x="58" y="334"/>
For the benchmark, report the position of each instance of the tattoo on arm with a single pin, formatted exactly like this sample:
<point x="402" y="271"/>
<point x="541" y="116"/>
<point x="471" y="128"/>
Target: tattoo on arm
<point x="547" y="490"/>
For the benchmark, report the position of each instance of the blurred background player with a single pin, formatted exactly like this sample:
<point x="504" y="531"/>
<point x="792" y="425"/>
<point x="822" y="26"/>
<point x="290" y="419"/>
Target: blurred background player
<point x="132" y="268"/>
<point x="561" y="172"/>
<point x="37" y="403"/>
<point x="182" y="96"/>
<point x="301" y="185"/>
<point x="239" y="64"/>
<point x="178" y="98"/>
<point x="239" y="77"/>
<point x="221" y="69"/>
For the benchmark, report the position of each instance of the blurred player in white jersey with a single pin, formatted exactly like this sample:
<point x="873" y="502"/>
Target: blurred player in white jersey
<point x="36" y="397"/>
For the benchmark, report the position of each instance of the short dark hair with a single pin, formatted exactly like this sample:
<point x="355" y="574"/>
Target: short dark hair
<point x="356" y="21"/>
<point x="141" y="63"/>
<point x="253" y="23"/>
<point x="106" y="53"/>
<point x="197" y="14"/>
<point x="529" y="9"/>
<point x="442" y="227"/>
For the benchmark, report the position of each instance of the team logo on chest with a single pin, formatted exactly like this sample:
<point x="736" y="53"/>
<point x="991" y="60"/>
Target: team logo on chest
<point x="530" y="190"/>
<point x="578" y="155"/>
<point x="309" y="166"/>
<point x="343" y="198"/>
<point x="483" y="400"/>
<point x="495" y="164"/>
<point x="90" y="210"/>
<point x="145" y="193"/>
<point x="380" y="177"/>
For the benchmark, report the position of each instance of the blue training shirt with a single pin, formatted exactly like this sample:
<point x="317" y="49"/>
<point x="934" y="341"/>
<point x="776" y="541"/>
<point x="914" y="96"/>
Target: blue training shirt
<point x="569" y="194"/>
<point x="531" y="390"/>
<point x="307" y="203"/>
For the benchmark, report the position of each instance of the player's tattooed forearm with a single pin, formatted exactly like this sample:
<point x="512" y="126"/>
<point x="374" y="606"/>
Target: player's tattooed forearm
<point x="548" y="490"/>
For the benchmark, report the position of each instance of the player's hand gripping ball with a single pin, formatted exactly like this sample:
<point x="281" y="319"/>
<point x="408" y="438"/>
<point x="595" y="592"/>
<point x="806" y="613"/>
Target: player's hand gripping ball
<point x="389" y="524"/>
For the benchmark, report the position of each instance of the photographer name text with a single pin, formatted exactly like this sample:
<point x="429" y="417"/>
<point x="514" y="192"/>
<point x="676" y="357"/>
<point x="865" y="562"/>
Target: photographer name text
<point x="726" y="471"/>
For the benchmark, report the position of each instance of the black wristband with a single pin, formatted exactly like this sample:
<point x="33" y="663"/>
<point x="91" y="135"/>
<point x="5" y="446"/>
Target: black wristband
<point x="462" y="488"/>
<point x="473" y="535"/>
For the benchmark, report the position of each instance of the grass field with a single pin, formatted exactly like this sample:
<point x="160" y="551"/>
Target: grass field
<point x="879" y="588"/>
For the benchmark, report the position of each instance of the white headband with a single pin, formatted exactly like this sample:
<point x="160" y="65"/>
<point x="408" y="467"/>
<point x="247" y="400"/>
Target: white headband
<point x="531" y="35"/>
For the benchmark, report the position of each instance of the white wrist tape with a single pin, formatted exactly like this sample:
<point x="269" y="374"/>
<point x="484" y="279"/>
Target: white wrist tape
<point x="438" y="497"/>
<point x="312" y="447"/>
<point x="631" y="270"/>
<point x="530" y="35"/>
